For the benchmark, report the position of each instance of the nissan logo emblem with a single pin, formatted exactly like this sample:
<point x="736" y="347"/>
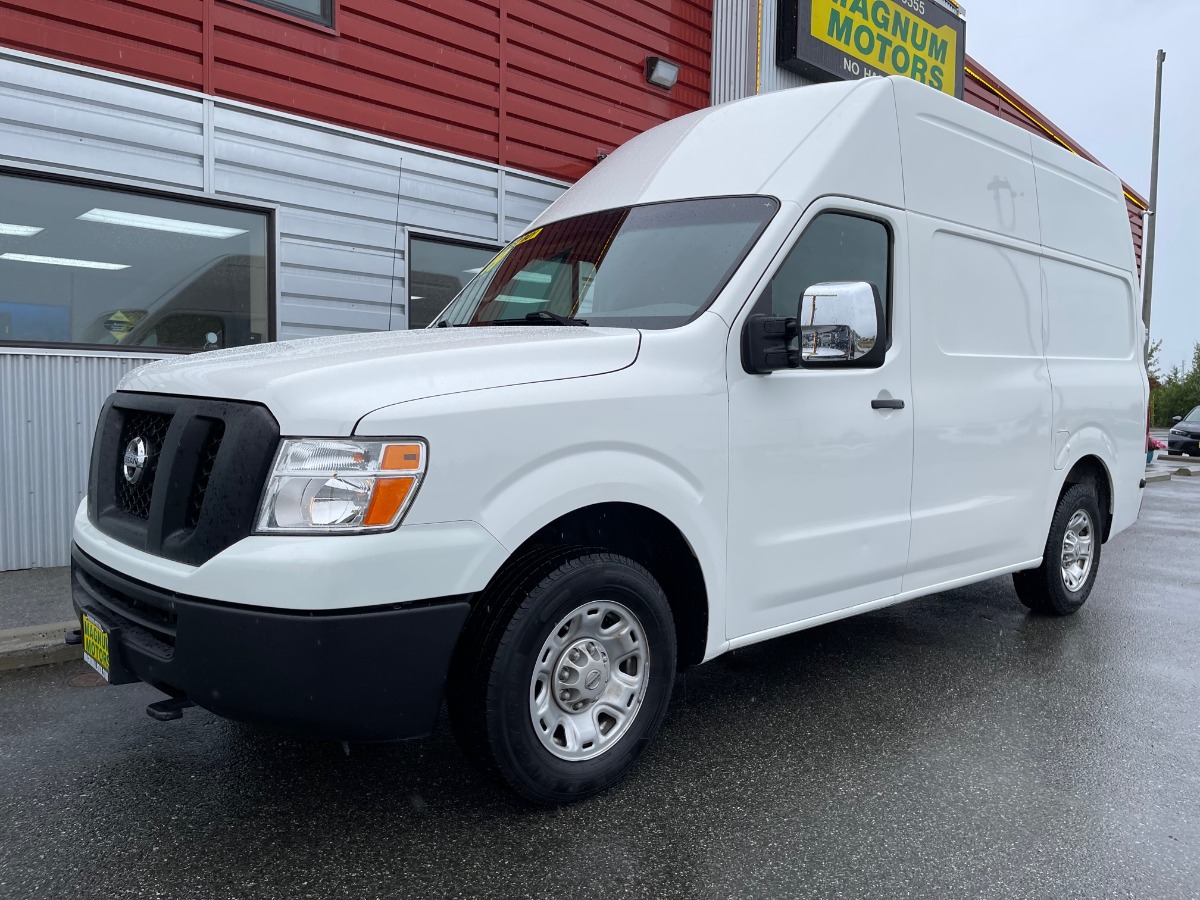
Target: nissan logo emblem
<point x="137" y="455"/>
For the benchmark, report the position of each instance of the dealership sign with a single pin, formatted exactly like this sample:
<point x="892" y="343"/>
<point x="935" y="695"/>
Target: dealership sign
<point x="839" y="39"/>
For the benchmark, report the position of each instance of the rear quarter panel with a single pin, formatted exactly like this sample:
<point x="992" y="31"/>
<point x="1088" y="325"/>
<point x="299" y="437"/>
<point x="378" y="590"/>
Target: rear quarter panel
<point x="1100" y="390"/>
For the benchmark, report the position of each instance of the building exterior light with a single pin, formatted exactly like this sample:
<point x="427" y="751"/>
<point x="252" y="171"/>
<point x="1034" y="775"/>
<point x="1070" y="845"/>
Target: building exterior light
<point x="661" y="72"/>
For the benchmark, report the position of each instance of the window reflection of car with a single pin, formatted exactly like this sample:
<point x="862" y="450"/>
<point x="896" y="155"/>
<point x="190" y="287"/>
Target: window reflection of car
<point x="193" y="314"/>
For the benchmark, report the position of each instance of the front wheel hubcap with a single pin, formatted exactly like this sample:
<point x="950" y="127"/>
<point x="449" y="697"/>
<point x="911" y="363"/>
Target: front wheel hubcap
<point x="589" y="680"/>
<point x="1078" y="551"/>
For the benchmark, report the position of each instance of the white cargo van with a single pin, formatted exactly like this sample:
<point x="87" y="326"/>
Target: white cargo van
<point x="771" y="364"/>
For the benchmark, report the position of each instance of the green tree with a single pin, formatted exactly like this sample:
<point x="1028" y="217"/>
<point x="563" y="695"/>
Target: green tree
<point x="1179" y="394"/>
<point x="1152" y="361"/>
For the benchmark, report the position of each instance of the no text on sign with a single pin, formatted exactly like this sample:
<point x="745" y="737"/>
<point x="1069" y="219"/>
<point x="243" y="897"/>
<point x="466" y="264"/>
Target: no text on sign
<point x="827" y="40"/>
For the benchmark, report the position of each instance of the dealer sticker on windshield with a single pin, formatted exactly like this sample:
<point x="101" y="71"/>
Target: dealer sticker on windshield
<point x="95" y="644"/>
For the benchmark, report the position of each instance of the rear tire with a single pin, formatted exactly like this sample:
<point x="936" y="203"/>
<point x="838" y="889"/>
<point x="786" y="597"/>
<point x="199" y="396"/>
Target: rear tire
<point x="1062" y="583"/>
<point x="566" y="676"/>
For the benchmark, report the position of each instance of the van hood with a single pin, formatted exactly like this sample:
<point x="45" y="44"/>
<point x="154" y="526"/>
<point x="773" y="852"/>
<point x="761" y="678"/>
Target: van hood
<point x="323" y="386"/>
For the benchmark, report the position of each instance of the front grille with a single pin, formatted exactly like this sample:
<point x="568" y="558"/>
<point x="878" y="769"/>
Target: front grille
<point x="134" y="497"/>
<point x="207" y="461"/>
<point x="208" y="458"/>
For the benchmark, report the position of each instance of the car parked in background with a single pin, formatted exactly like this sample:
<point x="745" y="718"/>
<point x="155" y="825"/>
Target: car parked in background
<point x="1185" y="435"/>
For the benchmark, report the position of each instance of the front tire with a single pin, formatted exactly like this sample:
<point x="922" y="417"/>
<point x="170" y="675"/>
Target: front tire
<point x="1062" y="583"/>
<point x="571" y="675"/>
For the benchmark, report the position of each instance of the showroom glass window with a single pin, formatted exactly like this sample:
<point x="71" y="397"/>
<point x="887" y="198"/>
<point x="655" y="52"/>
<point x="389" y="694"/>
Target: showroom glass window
<point x="105" y="268"/>
<point x="437" y="271"/>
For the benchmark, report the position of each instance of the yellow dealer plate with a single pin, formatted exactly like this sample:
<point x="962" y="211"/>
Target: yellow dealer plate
<point x="95" y="644"/>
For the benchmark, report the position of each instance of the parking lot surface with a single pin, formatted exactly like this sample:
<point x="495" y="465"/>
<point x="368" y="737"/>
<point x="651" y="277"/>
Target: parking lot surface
<point x="952" y="746"/>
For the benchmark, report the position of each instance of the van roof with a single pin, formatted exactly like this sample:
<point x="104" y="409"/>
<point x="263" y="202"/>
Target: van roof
<point x="890" y="141"/>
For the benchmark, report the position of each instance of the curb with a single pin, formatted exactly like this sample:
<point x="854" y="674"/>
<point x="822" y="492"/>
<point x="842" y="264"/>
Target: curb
<point x="37" y="645"/>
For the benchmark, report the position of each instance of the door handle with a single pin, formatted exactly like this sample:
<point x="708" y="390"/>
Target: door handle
<point x="887" y="404"/>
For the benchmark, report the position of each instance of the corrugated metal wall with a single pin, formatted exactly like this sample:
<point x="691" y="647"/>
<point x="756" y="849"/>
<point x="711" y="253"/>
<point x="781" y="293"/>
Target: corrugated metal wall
<point x="345" y="204"/>
<point x="48" y="408"/>
<point x="743" y="38"/>
<point x="541" y="85"/>
<point x="735" y="47"/>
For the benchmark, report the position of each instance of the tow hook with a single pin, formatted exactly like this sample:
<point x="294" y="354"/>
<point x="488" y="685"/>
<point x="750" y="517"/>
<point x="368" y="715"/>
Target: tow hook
<point x="168" y="710"/>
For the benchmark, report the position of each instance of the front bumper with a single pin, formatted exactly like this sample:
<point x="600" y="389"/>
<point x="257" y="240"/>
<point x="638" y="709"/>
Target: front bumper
<point x="355" y="675"/>
<point x="1188" y="445"/>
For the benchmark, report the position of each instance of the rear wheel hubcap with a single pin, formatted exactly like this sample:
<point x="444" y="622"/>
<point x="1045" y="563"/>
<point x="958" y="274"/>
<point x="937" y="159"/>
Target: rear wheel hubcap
<point x="1078" y="551"/>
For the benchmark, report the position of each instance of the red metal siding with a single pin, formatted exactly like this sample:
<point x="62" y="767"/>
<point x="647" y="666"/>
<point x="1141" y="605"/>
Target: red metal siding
<point x="574" y="84"/>
<point x="137" y="37"/>
<point x="542" y="85"/>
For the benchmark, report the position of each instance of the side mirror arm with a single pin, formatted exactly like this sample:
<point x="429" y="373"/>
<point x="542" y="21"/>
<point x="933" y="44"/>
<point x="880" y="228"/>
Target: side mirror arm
<point x="767" y="344"/>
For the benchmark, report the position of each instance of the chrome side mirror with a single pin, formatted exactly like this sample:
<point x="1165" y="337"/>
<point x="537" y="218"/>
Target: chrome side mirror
<point x="841" y="325"/>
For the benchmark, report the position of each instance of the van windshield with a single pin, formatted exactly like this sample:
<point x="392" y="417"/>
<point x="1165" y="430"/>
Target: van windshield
<point x="652" y="266"/>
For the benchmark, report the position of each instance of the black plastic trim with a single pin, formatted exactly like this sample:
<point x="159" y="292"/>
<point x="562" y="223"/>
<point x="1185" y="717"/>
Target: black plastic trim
<point x="356" y="675"/>
<point x="174" y="528"/>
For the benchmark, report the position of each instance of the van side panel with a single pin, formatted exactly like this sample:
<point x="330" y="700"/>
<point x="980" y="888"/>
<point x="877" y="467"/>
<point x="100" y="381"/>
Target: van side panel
<point x="1100" y="390"/>
<point x="963" y="165"/>
<point x="981" y="404"/>
<point x="1082" y="207"/>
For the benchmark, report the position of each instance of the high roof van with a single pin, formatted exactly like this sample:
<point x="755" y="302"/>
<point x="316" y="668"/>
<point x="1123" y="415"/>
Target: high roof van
<point x="771" y="364"/>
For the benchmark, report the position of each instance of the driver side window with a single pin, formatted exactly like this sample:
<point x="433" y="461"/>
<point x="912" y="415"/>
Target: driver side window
<point x="834" y="247"/>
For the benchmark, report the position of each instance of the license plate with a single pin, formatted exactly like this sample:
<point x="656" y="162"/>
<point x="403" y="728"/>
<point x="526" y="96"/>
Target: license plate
<point x="95" y="644"/>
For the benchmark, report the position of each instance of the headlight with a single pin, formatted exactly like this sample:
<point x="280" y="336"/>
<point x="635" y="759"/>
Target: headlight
<point x="341" y="486"/>
<point x="1179" y="433"/>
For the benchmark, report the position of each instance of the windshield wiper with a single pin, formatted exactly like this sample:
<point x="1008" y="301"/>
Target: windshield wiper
<point x="542" y="316"/>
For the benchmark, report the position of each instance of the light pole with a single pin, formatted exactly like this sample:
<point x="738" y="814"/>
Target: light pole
<point x="1152" y="218"/>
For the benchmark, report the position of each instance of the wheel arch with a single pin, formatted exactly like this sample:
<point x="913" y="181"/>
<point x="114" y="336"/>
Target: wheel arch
<point x="1092" y="470"/>
<point x="647" y="537"/>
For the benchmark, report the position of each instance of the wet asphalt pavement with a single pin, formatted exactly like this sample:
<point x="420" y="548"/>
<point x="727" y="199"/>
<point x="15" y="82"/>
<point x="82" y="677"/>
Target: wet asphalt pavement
<point x="954" y="746"/>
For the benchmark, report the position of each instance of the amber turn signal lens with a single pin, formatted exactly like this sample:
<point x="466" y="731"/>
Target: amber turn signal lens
<point x="387" y="499"/>
<point x="401" y="457"/>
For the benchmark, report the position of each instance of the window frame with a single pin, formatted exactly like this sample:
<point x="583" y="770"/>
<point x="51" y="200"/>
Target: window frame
<point x="435" y="238"/>
<point x="786" y="253"/>
<point x="198" y="198"/>
<point x="283" y="9"/>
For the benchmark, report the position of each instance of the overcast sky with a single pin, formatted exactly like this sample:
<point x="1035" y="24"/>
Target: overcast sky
<point x="1089" y="66"/>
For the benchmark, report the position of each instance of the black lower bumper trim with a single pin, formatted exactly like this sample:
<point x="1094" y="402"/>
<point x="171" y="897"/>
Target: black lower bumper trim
<point x="364" y="675"/>
<point x="1189" y="446"/>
